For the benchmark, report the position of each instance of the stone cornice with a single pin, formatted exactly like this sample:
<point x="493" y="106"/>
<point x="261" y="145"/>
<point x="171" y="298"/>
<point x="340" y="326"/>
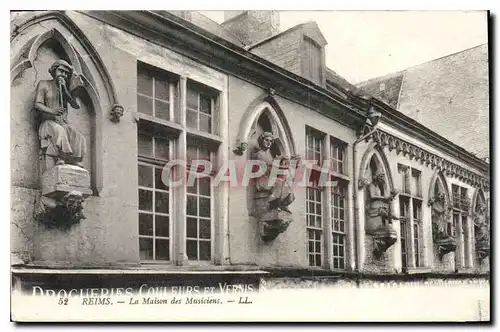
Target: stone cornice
<point x="172" y="32"/>
<point x="413" y="152"/>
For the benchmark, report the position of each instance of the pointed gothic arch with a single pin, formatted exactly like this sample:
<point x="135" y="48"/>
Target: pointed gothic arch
<point x="374" y="157"/>
<point x="265" y="109"/>
<point x="91" y="84"/>
<point x="438" y="179"/>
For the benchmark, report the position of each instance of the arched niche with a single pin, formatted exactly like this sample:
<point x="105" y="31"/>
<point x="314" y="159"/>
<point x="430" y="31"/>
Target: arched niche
<point x="374" y="160"/>
<point x="481" y="220"/>
<point x="34" y="47"/>
<point x="377" y="184"/>
<point x="438" y="184"/>
<point x="265" y="114"/>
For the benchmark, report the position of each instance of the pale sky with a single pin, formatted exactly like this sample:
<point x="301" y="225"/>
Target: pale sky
<point x="367" y="44"/>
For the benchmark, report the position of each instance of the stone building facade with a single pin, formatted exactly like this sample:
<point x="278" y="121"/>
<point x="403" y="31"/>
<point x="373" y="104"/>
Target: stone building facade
<point x="407" y="205"/>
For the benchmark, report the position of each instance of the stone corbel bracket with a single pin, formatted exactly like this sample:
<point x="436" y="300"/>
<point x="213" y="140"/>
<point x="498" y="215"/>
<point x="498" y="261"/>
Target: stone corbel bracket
<point x="383" y="238"/>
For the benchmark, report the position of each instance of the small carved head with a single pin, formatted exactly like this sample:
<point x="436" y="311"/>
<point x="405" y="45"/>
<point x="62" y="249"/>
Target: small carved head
<point x="379" y="178"/>
<point x="265" y="140"/>
<point x="73" y="201"/>
<point x="116" y="112"/>
<point x="61" y="68"/>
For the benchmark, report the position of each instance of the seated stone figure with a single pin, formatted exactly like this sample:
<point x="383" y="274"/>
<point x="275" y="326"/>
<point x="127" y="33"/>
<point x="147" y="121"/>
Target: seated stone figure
<point x="58" y="139"/>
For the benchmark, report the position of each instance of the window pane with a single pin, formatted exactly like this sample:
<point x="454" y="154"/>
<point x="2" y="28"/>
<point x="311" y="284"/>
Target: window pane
<point x="146" y="249"/>
<point x="162" y="249"/>
<point x="192" y="99"/>
<point x="192" y="119"/>
<point x="161" y="148"/>
<point x="194" y="188"/>
<point x="145" y="200"/>
<point x="145" y="176"/>
<point x="205" y="104"/>
<point x="192" y="208"/>
<point x="144" y="145"/>
<point x="204" y="184"/>
<point x="204" y="207"/>
<point x="158" y="179"/>
<point x="192" y="249"/>
<point x="162" y="226"/>
<point x="144" y="105"/>
<point x="161" y="89"/>
<point x="191" y="154"/>
<point x="162" y="110"/>
<point x="145" y="224"/>
<point x="205" y="251"/>
<point x="204" y="153"/>
<point x="204" y="229"/>
<point x="161" y="202"/>
<point x="144" y="83"/>
<point x="191" y="228"/>
<point x="205" y="123"/>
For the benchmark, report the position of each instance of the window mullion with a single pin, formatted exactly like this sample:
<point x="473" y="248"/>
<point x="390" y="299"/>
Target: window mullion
<point x="327" y="212"/>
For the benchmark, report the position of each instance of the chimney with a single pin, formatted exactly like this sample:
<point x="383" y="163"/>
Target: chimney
<point x="252" y="26"/>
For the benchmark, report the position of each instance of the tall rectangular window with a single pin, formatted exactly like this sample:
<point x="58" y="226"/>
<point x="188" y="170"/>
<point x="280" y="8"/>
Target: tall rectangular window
<point x="337" y="155"/>
<point x="404" y="180"/>
<point x="154" y="198"/>
<point x="155" y="92"/>
<point x="199" y="210"/>
<point x="159" y="112"/>
<point x="199" y="108"/>
<point x="404" y="207"/>
<point x="314" y="146"/>
<point x="416" y="183"/>
<point x="314" y="216"/>
<point x="339" y="217"/>
<point x="417" y="222"/>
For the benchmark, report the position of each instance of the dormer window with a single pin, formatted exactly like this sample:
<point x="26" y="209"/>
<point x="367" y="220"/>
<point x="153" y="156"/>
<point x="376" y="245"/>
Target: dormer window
<point x="313" y="63"/>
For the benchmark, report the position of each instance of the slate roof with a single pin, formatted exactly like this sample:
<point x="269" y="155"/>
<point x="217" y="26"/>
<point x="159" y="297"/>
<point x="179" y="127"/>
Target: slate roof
<point x="449" y="95"/>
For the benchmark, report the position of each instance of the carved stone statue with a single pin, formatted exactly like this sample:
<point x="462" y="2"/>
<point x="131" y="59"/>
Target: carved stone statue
<point x="482" y="231"/>
<point x="65" y="182"/>
<point x="440" y="215"/>
<point x="380" y="212"/>
<point x="271" y="200"/>
<point x="59" y="141"/>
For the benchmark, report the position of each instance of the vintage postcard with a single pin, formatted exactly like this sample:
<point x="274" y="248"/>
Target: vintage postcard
<point x="263" y="166"/>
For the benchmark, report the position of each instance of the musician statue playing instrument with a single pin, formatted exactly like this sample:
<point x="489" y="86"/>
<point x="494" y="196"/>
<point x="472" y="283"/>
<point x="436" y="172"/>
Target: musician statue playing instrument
<point x="58" y="139"/>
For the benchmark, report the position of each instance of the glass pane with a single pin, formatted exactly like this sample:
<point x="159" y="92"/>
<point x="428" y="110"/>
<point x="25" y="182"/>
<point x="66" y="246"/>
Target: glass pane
<point x="204" y="184"/>
<point x="204" y="153"/>
<point x="204" y="229"/>
<point x="311" y="260"/>
<point x="162" y="226"/>
<point x="161" y="89"/>
<point x="145" y="200"/>
<point x="318" y="259"/>
<point x="310" y="207"/>
<point x="192" y="208"/>
<point x="145" y="176"/>
<point x="311" y="246"/>
<point x="191" y="154"/>
<point x="205" y="250"/>
<point x="204" y="207"/>
<point x="341" y="251"/>
<point x="144" y="105"/>
<point x="145" y="224"/>
<point x="159" y="184"/>
<point x="162" y="110"/>
<point x="192" y="99"/>
<point x="161" y="202"/>
<point x="194" y="188"/>
<point x="205" y="104"/>
<point x="318" y="247"/>
<point x="192" y="249"/>
<point x="191" y="227"/>
<point x="335" y="250"/>
<point x="145" y="249"/>
<point x="144" y="83"/>
<point x="161" y="148"/>
<point x="205" y="123"/>
<point x="162" y="249"/>
<point x="192" y="119"/>
<point x="144" y="145"/>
